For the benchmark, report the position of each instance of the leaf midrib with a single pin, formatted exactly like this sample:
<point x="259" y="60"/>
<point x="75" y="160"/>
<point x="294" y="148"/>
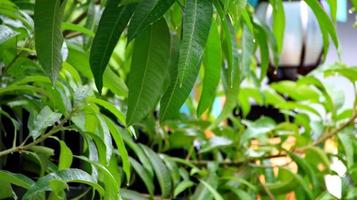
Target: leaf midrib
<point x="189" y="43"/>
<point x="52" y="40"/>
<point x="144" y="77"/>
<point x="145" y="18"/>
<point x="111" y="36"/>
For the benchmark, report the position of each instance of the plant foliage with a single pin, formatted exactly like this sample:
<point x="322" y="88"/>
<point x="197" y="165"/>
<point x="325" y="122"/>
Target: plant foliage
<point x="118" y="99"/>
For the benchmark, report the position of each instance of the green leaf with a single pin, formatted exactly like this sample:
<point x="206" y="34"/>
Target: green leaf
<point x="110" y="107"/>
<point x="105" y="136"/>
<point x="262" y="38"/>
<point x="147" y="13"/>
<point x="212" y="69"/>
<point x="16" y="179"/>
<point x="66" y="156"/>
<point x="325" y="23"/>
<point x="347" y="145"/>
<point x="333" y="8"/>
<point x="48" y="35"/>
<point x="144" y="175"/>
<point x="77" y="28"/>
<point x="111" y="183"/>
<point x="306" y="168"/>
<point x="132" y="195"/>
<point x="139" y="153"/>
<point x="6" y="33"/>
<point x="161" y="171"/>
<point x="114" y="83"/>
<point x="196" y="26"/>
<point x="278" y="22"/>
<point x="67" y="175"/>
<point x="111" y="25"/>
<point x="182" y="187"/>
<point x="214" y="192"/>
<point x="231" y="76"/>
<point x="216" y="142"/>
<point x="296" y="91"/>
<point x="202" y="192"/>
<point x="120" y="145"/>
<point x="229" y="42"/>
<point x="148" y="71"/>
<point x="44" y="119"/>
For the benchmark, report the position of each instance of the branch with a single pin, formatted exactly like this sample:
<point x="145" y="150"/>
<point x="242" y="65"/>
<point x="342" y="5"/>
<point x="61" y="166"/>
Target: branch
<point x="328" y="135"/>
<point x="23" y="147"/>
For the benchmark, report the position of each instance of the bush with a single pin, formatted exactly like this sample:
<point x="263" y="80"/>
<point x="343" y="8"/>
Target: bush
<point x="108" y="99"/>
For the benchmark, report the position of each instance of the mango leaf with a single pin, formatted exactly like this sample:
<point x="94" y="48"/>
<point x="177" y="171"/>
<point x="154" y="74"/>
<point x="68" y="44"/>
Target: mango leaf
<point x="212" y="69"/>
<point x="296" y="91"/>
<point x="6" y="33"/>
<point x="202" y="192"/>
<point x="147" y="13"/>
<point x="216" y="142"/>
<point x="77" y="28"/>
<point x="306" y="168"/>
<point x="326" y="25"/>
<point x="161" y="171"/>
<point x="229" y="42"/>
<point x="182" y="187"/>
<point x="16" y="179"/>
<point x="196" y="26"/>
<point x="278" y="22"/>
<point x="148" y="70"/>
<point x="144" y="175"/>
<point x="232" y="77"/>
<point x="110" y="183"/>
<point x="130" y="194"/>
<point x="139" y="153"/>
<point x="66" y="156"/>
<point x="48" y="35"/>
<point x="67" y="175"/>
<point x="258" y="128"/>
<point x="214" y="192"/>
<point x="105" y="136"/>
<point x="116" y="135"/>
<point x="114" y="83"/>
<point x="44" y="119"/>
<point x="110" y="107"/>
<point x="261" y="38"/>
<point x="349" y="73"/>
<point x="333" y="8"/>
<point x="111" y="25"/>
<point x="346" y="141"/>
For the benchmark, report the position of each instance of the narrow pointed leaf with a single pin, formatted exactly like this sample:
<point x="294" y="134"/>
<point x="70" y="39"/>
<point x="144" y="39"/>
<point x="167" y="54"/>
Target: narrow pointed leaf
<point x="161" y="171"/>
<point x="148" y="71"/>
<point x="16" y="179"/>
<point x="147" y="13"/>
<point x="67" y="175"/>
<point x="48" y="35"/>
<point x="278" y="22"/>
<point x="196" y="26"/>
<point x="326" y="25"/>
<point x="111" y="25"/>
<point x="212" y="69"/>
<point x="144" y="175"/>
<point x="121" y="147"/>
<point x="66" y="156"/>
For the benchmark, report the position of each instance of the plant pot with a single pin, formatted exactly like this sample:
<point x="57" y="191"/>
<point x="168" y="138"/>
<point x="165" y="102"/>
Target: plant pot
<point x="303" y="43"/>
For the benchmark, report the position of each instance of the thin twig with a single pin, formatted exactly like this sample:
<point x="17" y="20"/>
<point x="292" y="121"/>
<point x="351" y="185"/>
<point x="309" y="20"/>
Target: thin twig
<point x="334" y="132"/>
<point x="266" y="189"/>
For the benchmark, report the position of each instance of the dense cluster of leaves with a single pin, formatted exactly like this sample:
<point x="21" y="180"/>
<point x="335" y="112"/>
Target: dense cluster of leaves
<point x="114" y="99"/>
